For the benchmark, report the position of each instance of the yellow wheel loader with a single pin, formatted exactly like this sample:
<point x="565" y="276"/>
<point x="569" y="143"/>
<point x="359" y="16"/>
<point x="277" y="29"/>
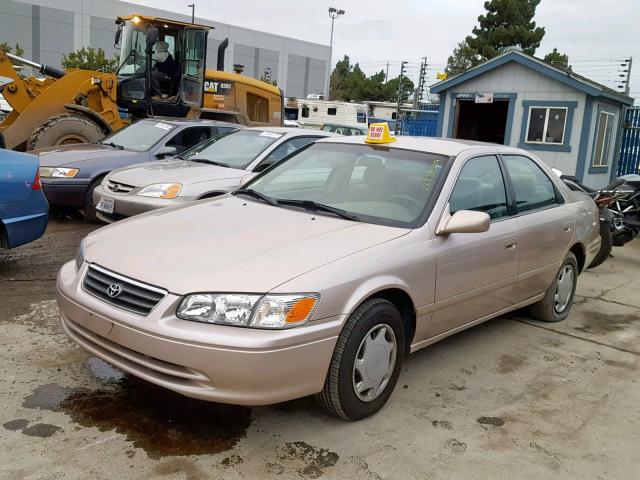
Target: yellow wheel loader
<point x="161" y="72"/>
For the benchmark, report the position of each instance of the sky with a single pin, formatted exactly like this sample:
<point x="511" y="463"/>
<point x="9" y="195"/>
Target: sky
<point x="594" y="33"/>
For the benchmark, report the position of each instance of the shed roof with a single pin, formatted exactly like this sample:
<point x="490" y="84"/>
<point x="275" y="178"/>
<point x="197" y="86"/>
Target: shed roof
<point x="567" y="77"/>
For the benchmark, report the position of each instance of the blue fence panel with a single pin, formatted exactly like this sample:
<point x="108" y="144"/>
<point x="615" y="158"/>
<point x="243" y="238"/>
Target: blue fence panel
<point x="421" y="122"/>
<point x="630" y="146"/>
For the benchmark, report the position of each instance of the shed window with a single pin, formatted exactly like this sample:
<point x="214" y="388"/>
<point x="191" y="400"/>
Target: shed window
<point x="305" y="112"/>
<point x="332" y="111"/>
<point x="547" y="125"/>
<point x="603" y="139"/>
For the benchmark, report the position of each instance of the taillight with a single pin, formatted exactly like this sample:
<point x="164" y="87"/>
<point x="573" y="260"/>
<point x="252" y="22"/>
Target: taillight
<point x="36" y="182"/>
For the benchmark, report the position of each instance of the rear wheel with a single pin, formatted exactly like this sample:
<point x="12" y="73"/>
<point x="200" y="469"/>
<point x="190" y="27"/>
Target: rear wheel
<point x="556" y="304"/>
<point x="606" y="245"/>
<point x="64" y="129"/>
<point x="366" y="361"/>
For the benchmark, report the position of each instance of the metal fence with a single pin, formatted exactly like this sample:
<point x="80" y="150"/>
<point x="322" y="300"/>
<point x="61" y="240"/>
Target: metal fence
<point x="421" y="121"/>
<point x="630" y="146"/>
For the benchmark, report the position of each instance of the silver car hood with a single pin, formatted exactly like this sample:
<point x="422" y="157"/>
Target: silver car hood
<point x="230" y="244"/>
<point x="172" y="171"/>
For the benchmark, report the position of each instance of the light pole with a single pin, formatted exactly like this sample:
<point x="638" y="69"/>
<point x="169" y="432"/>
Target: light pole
<point x="333" y="14"/>
<point x="192" y="6"/>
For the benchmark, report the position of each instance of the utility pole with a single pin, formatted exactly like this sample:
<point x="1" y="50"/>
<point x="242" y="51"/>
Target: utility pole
<point x="628" y="81"/>
<point x="386" y="75"/>
<point x="400" y="78"/>
<point x="422" y="80"/>
<point x="193" y="12"/>
<point x="333" y="14"/>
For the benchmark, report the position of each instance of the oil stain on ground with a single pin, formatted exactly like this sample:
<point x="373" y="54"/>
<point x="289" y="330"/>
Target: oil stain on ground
<point x="603" y="323"/>
<point x="509" y="363"/>
<point x="308" y="461"/>
<point x="155" y="419"/>
<point x="491" y="421"/>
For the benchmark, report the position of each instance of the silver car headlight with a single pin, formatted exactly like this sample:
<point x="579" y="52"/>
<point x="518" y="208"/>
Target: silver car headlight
<point x="58" y="172"/>
<point x="80" y="255"/>
<point x="161" y="190"/>
<point x="249" y="310"/>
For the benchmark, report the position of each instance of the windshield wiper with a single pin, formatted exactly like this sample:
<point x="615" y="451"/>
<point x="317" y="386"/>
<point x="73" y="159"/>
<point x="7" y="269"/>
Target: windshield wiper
<point x="111" y="144"/>
<point x="253" y="193"/>
<point x="320" y="207"/>
<point x="207" y="161"/>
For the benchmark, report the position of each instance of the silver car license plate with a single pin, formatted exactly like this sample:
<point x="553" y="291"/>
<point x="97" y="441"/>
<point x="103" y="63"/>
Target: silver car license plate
<point x="106" y="205"/>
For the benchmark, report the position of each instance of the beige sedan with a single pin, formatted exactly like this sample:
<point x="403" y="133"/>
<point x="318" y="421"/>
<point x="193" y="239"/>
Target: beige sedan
<point x="322" y="273"/>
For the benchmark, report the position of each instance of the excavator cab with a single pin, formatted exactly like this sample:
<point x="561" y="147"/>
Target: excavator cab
<point x="162" y="66"/>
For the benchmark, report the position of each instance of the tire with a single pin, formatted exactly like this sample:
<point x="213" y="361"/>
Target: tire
<point x="546" y="309"/>
<point x="606" y="245"/>
<point x="64" y="129"/>
<point x="339" y="397"/>
<point x="89" y="209"/>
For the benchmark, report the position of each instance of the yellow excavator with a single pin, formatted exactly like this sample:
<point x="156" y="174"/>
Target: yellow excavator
<point x="161" y="72"/>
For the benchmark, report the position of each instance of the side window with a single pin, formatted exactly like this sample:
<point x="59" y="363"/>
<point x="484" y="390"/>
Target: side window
<point x="305" y="112"/>
<point x="332" y="111"/>
<point x="480" y="187"/>
<point x="283" y="150"/>
<point x="257" y="108"/>
<point x="532" y="187"/>
<point x="189" y="137"/>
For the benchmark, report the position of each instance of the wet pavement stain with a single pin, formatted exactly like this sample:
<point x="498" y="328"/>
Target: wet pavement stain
<point x="17" y="424"/>
<point x="42" y="430"/>
<point x="442" y="424"/>
<point x="231" y="461"/>
<point x="309" y="461"/>
<point x="161" y="422"/>
<point x="455" y="446"/>
<point x="492" y="421"/>
<point x="509" y="363"/>
<point x="189" y="468"/>
<point x="104" y="372"/>
<point x="602" y="323"/>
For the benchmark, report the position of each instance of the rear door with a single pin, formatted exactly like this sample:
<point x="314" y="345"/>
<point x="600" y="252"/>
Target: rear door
<point x="545" y="223"/>
<point x="476" y="272"/>
<point x="193" y="67"/>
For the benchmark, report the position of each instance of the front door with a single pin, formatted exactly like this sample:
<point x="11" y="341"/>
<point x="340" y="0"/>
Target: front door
<point x="193" y="67"/>
<point x="476" y="272"/>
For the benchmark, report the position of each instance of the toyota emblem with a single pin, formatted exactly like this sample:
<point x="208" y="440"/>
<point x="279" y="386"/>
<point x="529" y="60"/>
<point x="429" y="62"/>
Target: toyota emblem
<point x="114" y="290"/>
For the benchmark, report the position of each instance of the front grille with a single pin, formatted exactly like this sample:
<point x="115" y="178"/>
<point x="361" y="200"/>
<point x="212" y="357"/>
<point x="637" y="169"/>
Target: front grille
<point x="118" y="187"/>
<point x="123" y="292"/>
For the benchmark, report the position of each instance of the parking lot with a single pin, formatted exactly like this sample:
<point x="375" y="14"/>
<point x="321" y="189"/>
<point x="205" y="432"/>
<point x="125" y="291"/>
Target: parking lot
<point x="511" y="398"/>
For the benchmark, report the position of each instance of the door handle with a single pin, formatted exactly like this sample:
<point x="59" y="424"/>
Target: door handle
<point x="567" y="227"/>
<point x="510" y="245"/>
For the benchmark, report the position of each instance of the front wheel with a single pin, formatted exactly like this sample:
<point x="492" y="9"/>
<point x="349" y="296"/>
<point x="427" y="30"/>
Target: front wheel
<point x="366" y="361"/>
<point x="606" y="245"/>
<point x="557" y="302"/>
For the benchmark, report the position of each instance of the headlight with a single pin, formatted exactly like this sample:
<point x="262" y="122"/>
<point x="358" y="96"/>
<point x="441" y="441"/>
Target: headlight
<point x="249" y="310"/>
<point x="80" y="255"/>
<point x="161" y="190"/>
<point x="58" y="172"/>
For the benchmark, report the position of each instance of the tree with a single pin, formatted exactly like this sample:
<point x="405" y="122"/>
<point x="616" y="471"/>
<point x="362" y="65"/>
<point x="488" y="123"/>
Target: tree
<point x="557" y="59"/>
<point x="507" y="23"/>
<point x="89" y="59"/>
<point x="391" y="89"/>
<point x="9" y="49"/>
<point x="462" y="59"/>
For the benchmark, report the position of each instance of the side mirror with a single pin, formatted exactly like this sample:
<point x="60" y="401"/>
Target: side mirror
<point x="166" y="151"/>
<point x="152" y="37"/>
<point x="464" y="221"/>
<point x="116" y="41"/>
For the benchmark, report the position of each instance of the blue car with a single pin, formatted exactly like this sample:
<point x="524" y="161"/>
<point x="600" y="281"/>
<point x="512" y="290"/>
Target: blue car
<point x="24" y="210"/>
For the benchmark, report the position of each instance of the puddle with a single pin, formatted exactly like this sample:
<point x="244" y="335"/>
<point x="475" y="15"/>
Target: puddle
<point x="104" y="372"/>
<point x="161" y="422"/>
<point x="602" y="323"/>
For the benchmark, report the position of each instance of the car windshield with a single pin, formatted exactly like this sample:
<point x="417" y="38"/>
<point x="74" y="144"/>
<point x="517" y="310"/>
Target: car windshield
<point x="376" y="185"/>
<point x="140" y="136"/>
<point x="235" y="149"/>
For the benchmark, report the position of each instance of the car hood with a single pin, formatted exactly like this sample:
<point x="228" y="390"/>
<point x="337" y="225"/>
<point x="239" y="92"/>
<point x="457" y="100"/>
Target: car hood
<point x="172" y="171"/>
<point x="230" y="244"/>
<point x="76" y="154"/>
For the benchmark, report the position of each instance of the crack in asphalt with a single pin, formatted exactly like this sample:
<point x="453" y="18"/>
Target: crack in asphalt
<point x="567" y="334"/>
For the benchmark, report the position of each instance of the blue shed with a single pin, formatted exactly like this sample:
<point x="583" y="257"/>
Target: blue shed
<point x="570" y="122"/>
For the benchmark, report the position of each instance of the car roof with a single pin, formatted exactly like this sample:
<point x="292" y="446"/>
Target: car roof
<point x="295" y="131"/>
<point x="444" y="146"/>
<point x="359" y="127"/>
<point x="192" y="121"/>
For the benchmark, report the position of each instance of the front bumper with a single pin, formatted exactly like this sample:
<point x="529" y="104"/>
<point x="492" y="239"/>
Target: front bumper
<point x="209" y="362"/>
<point x="65" y="194"/>
<point x="128" y="205"/>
